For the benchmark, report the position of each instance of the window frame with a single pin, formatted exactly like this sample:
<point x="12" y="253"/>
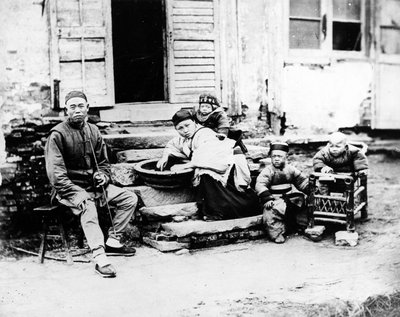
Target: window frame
<point x="326" y="52"/>
<point x="383" y="57"/>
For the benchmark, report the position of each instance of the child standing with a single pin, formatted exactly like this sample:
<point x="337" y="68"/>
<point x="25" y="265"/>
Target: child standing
<point x="283" y="209"/>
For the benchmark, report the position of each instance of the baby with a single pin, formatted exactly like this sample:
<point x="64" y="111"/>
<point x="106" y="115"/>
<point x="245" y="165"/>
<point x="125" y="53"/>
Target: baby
<point x="211" y="115"/>
<point x="340" y="157"/>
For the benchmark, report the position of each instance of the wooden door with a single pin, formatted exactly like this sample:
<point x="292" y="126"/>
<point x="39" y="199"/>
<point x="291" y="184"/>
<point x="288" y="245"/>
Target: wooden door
<point x="81" y="49"/>
<point x="193" y="48"/>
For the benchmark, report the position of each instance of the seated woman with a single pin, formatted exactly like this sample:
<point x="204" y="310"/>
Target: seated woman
<point x="221" y="178"/>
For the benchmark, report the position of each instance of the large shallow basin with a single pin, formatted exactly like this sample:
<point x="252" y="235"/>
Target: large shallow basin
<point x="165" y="179"/>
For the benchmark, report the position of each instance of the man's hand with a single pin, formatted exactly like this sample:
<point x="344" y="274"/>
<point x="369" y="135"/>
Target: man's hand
<point x="269" y="204"/>
<point x="362" y="172"/>
<point x="162" y="162"/>
<point x="327" y="169"/>
<point x="83" y="205"/>
<point x="100" y="179"/>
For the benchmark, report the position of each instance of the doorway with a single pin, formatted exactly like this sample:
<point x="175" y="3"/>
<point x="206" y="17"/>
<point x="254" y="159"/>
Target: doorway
<point x="138" y="36"/>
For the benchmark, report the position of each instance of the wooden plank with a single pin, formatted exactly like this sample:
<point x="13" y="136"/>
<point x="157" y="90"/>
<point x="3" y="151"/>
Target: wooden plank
<point x="192" y="19"/>
<point x="193" y="4"/>
<point x="202" y="28"/>
<point x="194" y="61"/>
<point x="138" y="155"/>
<point x="193" y="11"/>
<point x="95" y="73"/>
<point x="194" y="69"/>
<point x="158" y="212"/>
<point x="194" y="54"/>
<point x="187" y="97"/>
<point x="165" y="246"/>
<point x="79" y="32"/>
<point x="195" y="91"/>
<point x="195" y="83"/>
<point x="198" y="227"/>
<point x="194" y="76"/>
<point x="182" y="45"/>
<point x="157" y="197"/>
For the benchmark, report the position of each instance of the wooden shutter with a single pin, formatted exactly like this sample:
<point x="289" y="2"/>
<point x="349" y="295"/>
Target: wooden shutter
<point x="80" y="49"/>
<point x="193" y="49"/>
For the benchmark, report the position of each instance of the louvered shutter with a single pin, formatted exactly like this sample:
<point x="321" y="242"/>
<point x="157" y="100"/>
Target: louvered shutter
<point x="193" y="49"/>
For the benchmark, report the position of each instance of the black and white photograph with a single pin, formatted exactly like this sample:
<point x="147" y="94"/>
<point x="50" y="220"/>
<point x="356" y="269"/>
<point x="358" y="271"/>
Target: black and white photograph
<point x="200" y="158"/>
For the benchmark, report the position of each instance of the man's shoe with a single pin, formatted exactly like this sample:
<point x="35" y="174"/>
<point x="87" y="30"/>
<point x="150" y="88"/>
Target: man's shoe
<point x="280" y="239"/>
<point x="106" y="271"/>
<point x="122" y="251"/>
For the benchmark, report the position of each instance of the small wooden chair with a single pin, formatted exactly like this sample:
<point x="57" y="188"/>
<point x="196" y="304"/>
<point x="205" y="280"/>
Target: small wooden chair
<point x="48" y="214"/>
<point x="339" y="209"/>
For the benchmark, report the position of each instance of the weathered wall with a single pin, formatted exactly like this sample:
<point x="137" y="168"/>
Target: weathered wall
<point x="324" y="98"/>
<point x="253" y="52"/>
<point x="24" y="55"/>
<point x="316" y="98"/>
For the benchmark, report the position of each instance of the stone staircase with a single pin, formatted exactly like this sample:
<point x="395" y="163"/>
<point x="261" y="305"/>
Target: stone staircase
<point x="168" y="218"/>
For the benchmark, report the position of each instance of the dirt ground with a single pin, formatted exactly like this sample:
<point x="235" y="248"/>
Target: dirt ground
<point x="257" y="278"/>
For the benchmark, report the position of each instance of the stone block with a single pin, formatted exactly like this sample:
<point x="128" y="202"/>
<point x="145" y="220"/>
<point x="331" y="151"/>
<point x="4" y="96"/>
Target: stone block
<point x="315" y="233"/>
<point x="138" y="155"/>
<point x="137" y="140"/>
<point x="157" y="197"/>
<point x="167" y="211"/>
<point x="343" y="238"/>
<point x="165" y="246"/>
<point x="257" y="152"/>
<point x="198" y="227"/>
<point x="124" y="174"/>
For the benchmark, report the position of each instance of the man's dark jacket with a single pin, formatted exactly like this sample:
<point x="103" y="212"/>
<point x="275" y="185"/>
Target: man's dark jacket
<point x="70" y="163"/>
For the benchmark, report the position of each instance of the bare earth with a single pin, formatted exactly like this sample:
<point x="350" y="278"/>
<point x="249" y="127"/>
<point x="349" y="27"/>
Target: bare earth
<point x="257" y="278"/>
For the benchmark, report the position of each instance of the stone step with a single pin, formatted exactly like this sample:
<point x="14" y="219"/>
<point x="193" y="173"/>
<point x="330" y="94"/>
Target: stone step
<point x="158" y="197"/>
<point x="123" y="142"/>
<point x="170" y="243"/>
<point x="124" y="174"/>
<point x="168" y="211"/>
<point x="198" y="227"/>
<point x="132" y="156"/>
<point x="165" y="246"/>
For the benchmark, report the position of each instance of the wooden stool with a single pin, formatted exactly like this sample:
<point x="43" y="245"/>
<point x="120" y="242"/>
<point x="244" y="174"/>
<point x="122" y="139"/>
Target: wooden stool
<point x="49" y="212"/>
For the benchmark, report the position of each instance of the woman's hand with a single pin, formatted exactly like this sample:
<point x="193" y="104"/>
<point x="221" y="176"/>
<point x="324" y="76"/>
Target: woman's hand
<point x="162" y="162"/>
<point x="181" y="167"/>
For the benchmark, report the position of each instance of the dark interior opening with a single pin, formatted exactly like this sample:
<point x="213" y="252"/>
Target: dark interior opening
<point x="138" y="50"/>
<point x="346" y="36"/>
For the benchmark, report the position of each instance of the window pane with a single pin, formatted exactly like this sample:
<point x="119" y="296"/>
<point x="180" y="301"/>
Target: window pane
<point x="346" y="36"/>
<point x="305" y="8"/>
<point x="390" y="41"/>
<point x="390" y="12"/>
<point x="304" y="34"/>
<point x="347" y="9"/>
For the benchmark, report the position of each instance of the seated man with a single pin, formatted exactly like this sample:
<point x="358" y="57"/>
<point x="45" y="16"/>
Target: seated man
<point x="339" y="157"/>
<point x="79" y="173"/>
<point x="221" y="178"/>
<point x="284" y="210"/>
